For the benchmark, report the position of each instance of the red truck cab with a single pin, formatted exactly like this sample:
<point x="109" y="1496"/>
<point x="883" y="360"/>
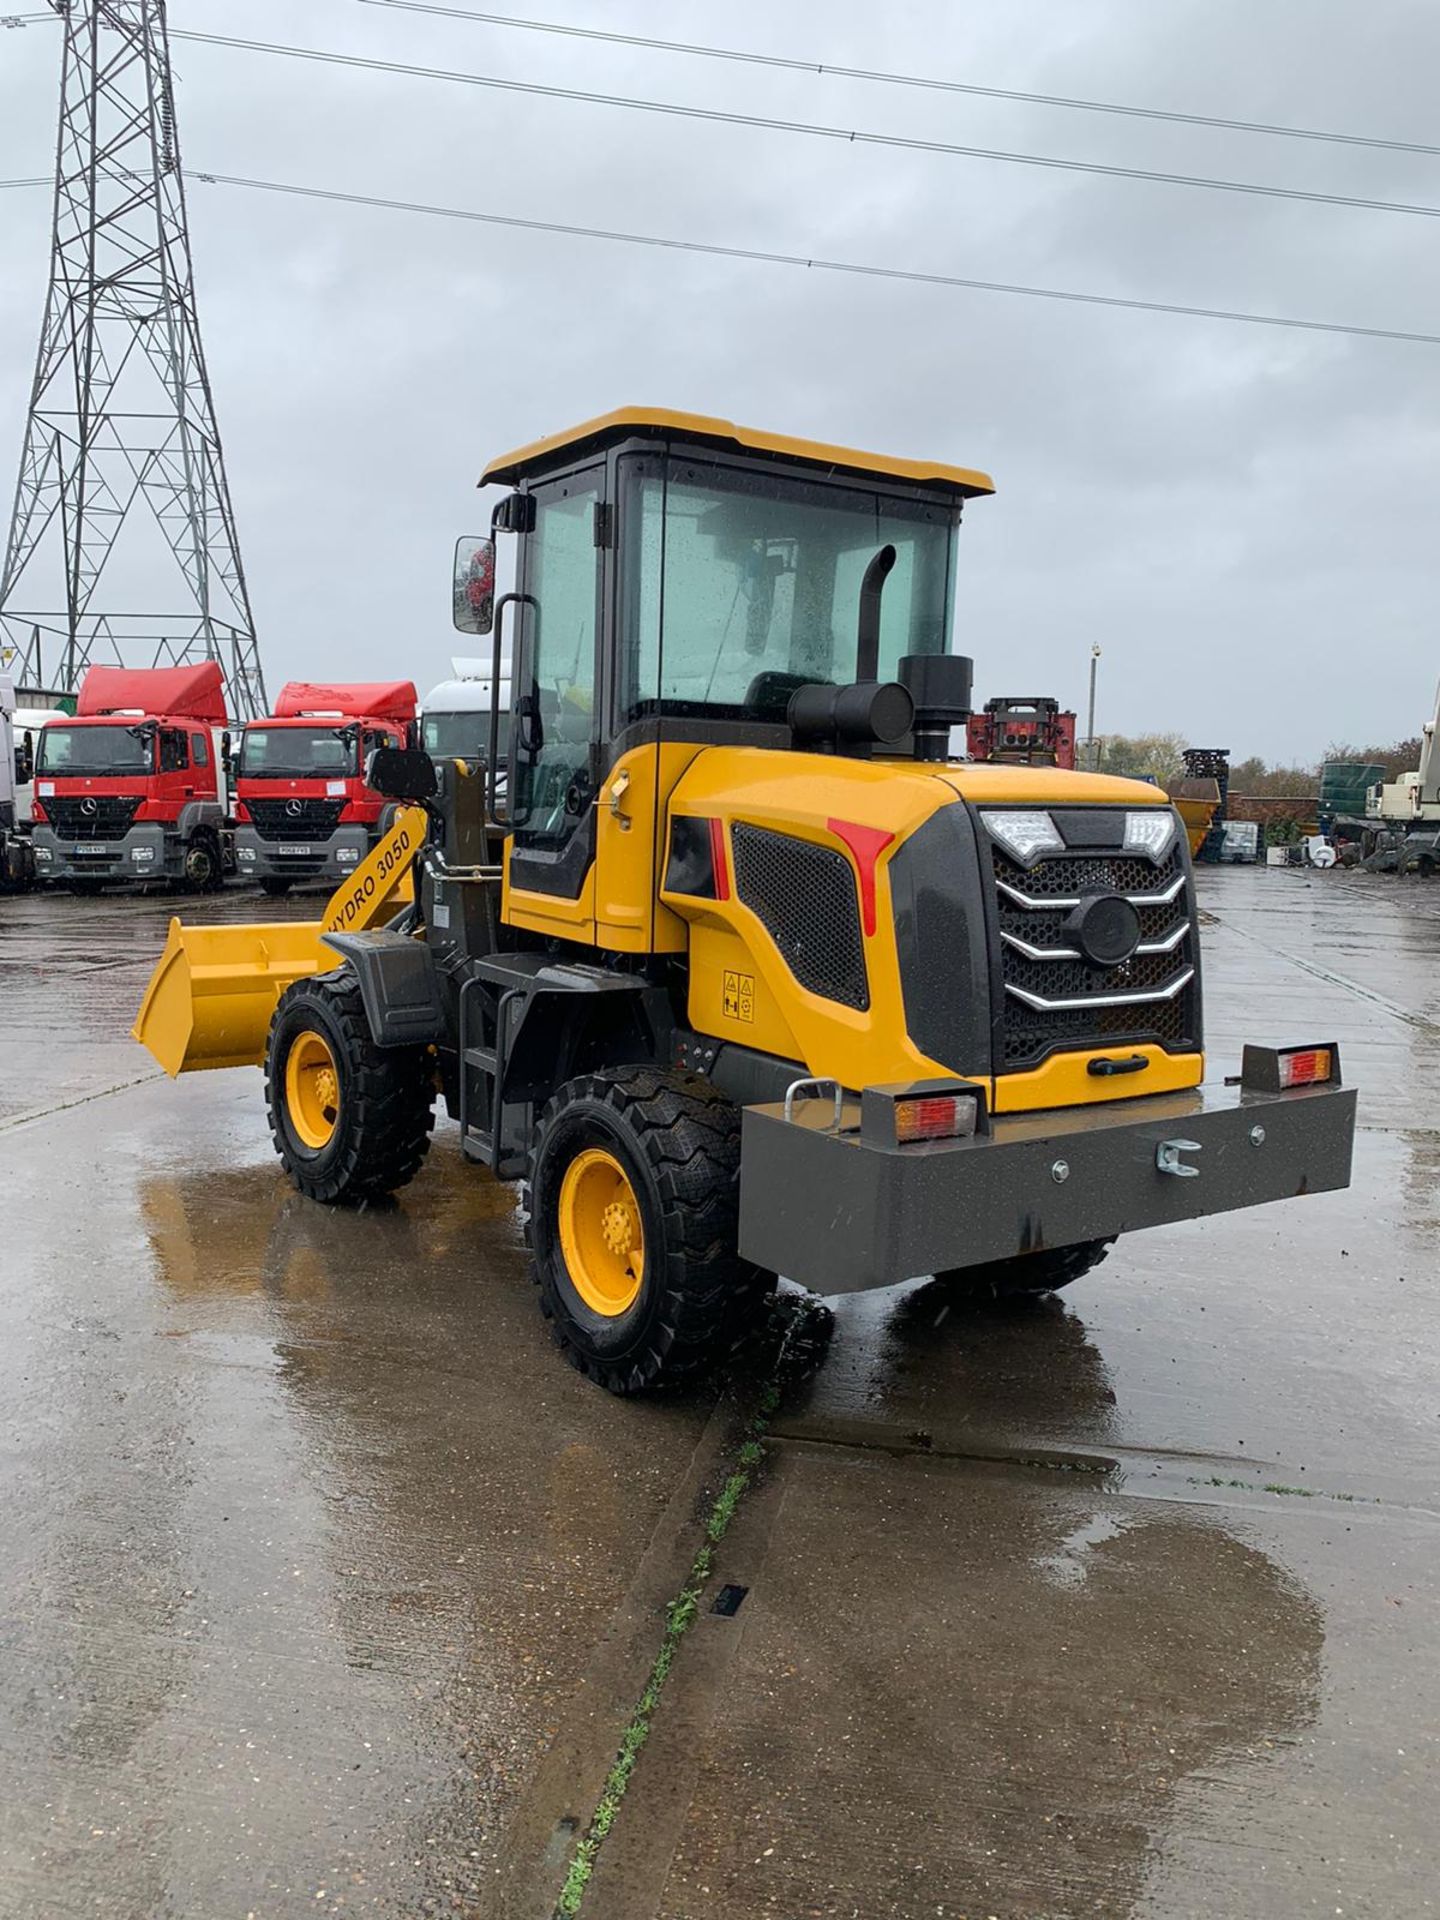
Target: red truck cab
<point x="133" y="787"/>
<point x="303" y="810"/>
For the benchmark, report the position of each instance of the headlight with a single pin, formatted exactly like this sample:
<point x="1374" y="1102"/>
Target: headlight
<point x="346" y="856"/>
<point x="1150" y="832"/>
<point x="1026" y="835"/>
<point x="245" y="853"/>
<point x="142" y="853"/>
<point x="42" y="853"/>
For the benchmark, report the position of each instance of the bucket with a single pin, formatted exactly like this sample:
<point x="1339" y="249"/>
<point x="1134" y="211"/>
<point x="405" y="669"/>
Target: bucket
<point x="210" y="1000"/>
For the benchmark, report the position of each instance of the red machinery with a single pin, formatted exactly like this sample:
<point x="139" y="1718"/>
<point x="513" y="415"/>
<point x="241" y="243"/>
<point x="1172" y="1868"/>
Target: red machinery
<point x="1026" y="732"/>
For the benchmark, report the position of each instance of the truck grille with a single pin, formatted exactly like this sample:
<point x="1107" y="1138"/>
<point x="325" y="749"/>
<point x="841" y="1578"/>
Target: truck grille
<point x="295" y="819"/>
<point x="805" y="897"/>
<point x="1053" y="1005"/>
<point x="92" y="817"/>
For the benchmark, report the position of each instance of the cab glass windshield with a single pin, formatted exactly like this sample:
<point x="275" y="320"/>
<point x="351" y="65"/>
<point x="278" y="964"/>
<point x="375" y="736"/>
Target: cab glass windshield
<point x="91" y="750"/>
<point x="302" y="753"/>
<point x="744" y="584"/>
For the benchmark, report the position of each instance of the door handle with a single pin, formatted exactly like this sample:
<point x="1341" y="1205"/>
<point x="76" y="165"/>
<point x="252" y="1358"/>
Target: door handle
<point x="619" y="787"/>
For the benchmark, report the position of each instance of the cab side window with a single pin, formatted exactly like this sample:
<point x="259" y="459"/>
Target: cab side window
<point x="199" y="750"/>
<point x="173" y="757"/>
<point x="558" y="706"/>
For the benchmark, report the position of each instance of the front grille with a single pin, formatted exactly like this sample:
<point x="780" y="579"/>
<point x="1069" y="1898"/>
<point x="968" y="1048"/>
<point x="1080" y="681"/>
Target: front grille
<point x="806" y="899"/>
<point x="295" y="819"/>
<point x="92" y="817"/>
<point x="1029" y="1034"/>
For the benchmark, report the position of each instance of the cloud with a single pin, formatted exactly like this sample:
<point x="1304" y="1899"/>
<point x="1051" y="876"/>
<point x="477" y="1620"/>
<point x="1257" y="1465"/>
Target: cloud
<point x="1243" y="519"/>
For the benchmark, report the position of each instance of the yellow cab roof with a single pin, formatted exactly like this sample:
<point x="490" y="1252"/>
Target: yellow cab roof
<point x="661" y="423"/>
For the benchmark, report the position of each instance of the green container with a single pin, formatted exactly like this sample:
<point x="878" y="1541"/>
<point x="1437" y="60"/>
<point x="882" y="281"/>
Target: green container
<point x="1344" y="784"/>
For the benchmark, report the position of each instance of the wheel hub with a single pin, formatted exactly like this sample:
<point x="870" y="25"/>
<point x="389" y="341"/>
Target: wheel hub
<point x="312" y="1090"/>
<point x="618" y="1224"/>
<point x="602" y="1232"/>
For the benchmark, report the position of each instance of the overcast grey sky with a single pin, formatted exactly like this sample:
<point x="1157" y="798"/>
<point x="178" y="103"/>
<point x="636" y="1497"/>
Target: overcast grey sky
<point x="1243" y="518"/>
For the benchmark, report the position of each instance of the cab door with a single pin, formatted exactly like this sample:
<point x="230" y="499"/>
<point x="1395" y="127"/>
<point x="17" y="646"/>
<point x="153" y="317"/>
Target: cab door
<point x="555" y="744"/>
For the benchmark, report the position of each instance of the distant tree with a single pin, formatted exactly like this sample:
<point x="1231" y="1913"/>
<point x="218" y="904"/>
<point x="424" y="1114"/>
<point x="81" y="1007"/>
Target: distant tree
<point x="1246" y="775"/>
<point x="1288" y="781"/>
<point x="1145" y="756"/>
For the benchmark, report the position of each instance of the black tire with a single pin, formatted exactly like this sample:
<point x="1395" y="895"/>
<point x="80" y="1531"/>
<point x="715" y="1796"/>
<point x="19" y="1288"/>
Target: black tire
<point x="678" y="1141"/>
<point x="203" y="871"/>
<point x="1027" y="1276"/>
<point x="277" y="889"/>
<point x="386" y="1096"/>
<point x="1427" y="866"/>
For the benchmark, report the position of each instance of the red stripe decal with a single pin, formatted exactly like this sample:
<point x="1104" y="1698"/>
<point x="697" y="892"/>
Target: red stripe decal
<point x="718" y="860"/>
<point x="866" y="844"/>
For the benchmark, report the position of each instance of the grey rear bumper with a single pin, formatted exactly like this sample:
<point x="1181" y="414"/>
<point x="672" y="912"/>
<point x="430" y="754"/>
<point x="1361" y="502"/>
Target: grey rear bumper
<point x="839" y="1215"/>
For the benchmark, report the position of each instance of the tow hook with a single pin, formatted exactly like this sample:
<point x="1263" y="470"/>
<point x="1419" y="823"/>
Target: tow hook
<point x="1167" y="1158"/>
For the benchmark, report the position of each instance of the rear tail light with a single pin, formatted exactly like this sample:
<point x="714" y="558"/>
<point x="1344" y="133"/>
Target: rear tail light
<point x="904" y="1115"/>
<point x="1304" y="1068"/>
<point x="1278" y="1069"/>
<point x="936" y="1116"/>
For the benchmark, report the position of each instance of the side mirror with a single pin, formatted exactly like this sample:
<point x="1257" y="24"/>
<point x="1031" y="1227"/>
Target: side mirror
<point x="24" y="762"/>
<point x="401" y="773"/>
<point x="474" y="584"/>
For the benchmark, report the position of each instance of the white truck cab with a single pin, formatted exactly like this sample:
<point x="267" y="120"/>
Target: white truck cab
<point x="455" y="715"/>
<point x="19" y="740"/>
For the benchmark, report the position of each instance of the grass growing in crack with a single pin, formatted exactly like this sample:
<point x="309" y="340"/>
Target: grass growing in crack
<point x="1278" y="1486"/>
<point x="679" y="1618"/>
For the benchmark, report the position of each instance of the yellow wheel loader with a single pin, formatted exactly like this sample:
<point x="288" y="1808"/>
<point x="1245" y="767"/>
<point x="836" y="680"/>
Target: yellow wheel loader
<point x="731" y="961"/>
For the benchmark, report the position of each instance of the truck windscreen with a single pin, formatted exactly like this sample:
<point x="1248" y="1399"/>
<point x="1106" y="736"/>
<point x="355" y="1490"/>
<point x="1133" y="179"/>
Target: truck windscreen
<point x="464" y="736"/>
<point x="296" y="753"/>
<point x="117" y="749"/>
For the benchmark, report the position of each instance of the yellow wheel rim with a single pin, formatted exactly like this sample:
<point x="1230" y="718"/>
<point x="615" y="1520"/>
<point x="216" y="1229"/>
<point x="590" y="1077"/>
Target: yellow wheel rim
<point x="312" y="1089"/>
<point x="601" y="1233"/>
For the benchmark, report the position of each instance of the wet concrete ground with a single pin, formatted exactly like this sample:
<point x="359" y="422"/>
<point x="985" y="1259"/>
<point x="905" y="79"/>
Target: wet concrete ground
<point x="324" y="1585"/>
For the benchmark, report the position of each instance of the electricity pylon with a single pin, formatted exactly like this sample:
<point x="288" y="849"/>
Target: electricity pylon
<point x="121" y="439"/>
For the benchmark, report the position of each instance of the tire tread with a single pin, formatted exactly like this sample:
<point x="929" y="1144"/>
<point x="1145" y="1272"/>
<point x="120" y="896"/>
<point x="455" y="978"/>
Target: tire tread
<point x="689" y="1133"/>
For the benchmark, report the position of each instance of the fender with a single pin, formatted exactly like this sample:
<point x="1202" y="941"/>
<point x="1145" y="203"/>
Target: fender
<point x="398" y="987"/>
<point x="198" y="813"/>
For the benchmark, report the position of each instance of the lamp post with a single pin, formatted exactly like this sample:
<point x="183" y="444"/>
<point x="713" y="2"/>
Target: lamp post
<point x="1092" y="755"/>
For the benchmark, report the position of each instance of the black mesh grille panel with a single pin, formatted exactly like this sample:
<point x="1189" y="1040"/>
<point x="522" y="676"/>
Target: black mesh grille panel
<point x="805" y="897"/>
<point x="1030" y="1034"/>
<point x="87" y="818"/>
<point x="295" y="819"/>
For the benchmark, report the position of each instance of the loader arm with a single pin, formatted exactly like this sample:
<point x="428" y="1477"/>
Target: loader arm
<point x="212" y="995"/>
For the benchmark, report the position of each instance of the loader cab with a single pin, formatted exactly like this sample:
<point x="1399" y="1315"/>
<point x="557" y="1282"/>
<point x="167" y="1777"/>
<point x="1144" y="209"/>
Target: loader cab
<point x="677" y="579"/>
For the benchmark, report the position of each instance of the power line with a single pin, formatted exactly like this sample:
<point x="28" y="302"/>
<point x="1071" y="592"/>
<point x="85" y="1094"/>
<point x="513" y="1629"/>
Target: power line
<point x="906" y="79"/>
<point x="853" y="136"/>
<point x="759" y="255"/>
<point x="864" y="270"/>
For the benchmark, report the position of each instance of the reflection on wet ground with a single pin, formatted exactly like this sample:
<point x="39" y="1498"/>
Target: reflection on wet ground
<point x="316" y="1564"/>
